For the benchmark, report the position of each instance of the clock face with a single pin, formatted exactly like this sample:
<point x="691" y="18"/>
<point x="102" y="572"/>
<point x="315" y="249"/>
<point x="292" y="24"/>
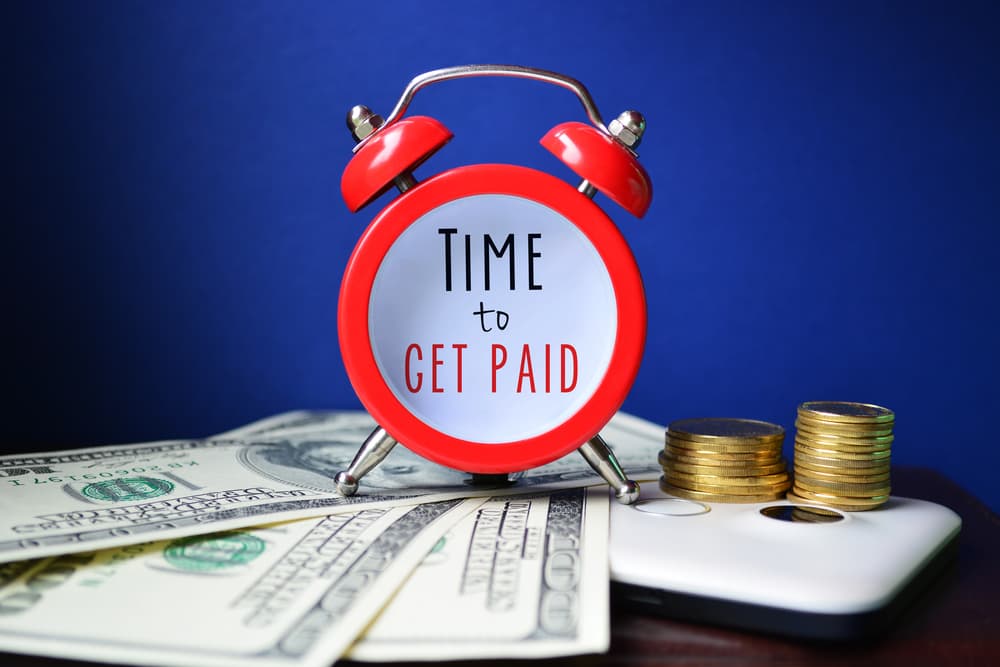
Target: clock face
<point x="482" y="318"/>
<point x="492" y="318"/>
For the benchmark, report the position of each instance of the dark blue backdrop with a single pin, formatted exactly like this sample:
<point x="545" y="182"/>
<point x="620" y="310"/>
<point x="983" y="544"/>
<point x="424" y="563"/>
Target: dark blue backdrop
<point x="824" y="223"/>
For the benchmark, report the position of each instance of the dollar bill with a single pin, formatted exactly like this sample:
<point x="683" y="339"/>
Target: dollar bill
<point x="295" y="593"/>
<point x="96" y="498"/>
<point x="520" y="577"/>
<point x="293" y="420"/>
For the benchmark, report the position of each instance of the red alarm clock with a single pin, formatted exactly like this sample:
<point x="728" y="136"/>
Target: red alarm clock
<point x="492" y="317"/>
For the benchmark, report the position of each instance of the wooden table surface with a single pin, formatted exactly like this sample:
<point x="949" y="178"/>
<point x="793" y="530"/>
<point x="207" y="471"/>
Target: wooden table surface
<point x="956" y="621"/>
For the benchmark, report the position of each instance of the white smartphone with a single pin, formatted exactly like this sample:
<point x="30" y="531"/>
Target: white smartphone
<point x="800" y="570"/>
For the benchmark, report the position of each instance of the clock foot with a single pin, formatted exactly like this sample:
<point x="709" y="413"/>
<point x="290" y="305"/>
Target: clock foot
<point x="347" y="485"/>
<point x="603" y="461"/>
<point x="375" y="448"/>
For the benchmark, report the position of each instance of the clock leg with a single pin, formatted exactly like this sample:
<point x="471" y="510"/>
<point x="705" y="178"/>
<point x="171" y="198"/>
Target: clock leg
<point x="375" y="448"/>
<point x="603" y="461"/>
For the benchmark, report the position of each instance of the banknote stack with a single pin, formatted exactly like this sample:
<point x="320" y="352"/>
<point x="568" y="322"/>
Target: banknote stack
<point x="842" y="454"/>
<point x="237" y="551"/>
<point x="724" y="460"/>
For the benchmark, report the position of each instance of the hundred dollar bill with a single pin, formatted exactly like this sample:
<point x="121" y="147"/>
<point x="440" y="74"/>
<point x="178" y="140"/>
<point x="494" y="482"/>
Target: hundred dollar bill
<point x="295" y="419"/>
<point x="520" y="577"/>
<point x="289" y="594"/>
<point x="87" y="499"/>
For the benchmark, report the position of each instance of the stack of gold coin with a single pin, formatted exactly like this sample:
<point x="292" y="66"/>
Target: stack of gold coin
<point x="842" y="454"/>
<point x="724" y="460"/>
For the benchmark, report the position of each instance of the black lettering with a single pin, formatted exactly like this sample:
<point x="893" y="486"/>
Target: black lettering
<point x="448" y="231"/>
<point x="468" y="263"/>
<point x="488" y="246"/>
<point x="531" y="261"/>
<point x="482" y="312"/>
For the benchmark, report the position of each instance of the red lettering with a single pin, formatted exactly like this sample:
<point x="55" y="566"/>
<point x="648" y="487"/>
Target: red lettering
<point x="435" y="362"/>
<point x="548" y="368"/>
<point x="497" y="365"/>
<point x="562" y="373"/>
<point x="526" y="370"/>
<point x="458" y="356"/>
<point x="420" y="376"/>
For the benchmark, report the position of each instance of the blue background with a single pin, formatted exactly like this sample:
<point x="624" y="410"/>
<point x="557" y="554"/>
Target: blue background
<point x="824" y="224"/>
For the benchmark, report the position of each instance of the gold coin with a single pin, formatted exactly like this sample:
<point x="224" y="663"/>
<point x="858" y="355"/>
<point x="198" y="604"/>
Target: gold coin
<point x="712" y="458"/>
<point x="846" y="466"/>
<point x="833" y="500"/>
<point x="666" y="487"/>
<point x="807" y="448"/>
<point x="849" y="412"/>
<point x="726" y="489"/>
<point x="854" y="444"/>
<point x="819" y="421"/>
<point x="843" y="489"/>
<point x="846" y="430"/>
<point x="792" y="498"/>
<point x="858" y="467"/>
<point x="826" y="446"/>
<point x="692" y="481"/>
<point x="725" y="429"/>
<point x="857" y="451"/>
<point x="883" y="455"/>
<point x="722" y="470"/>
<point x="877" y="441"/>
<point x="844" y="499"/>
<point x="721" y="446"/>
<point x="840" y="477"/>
